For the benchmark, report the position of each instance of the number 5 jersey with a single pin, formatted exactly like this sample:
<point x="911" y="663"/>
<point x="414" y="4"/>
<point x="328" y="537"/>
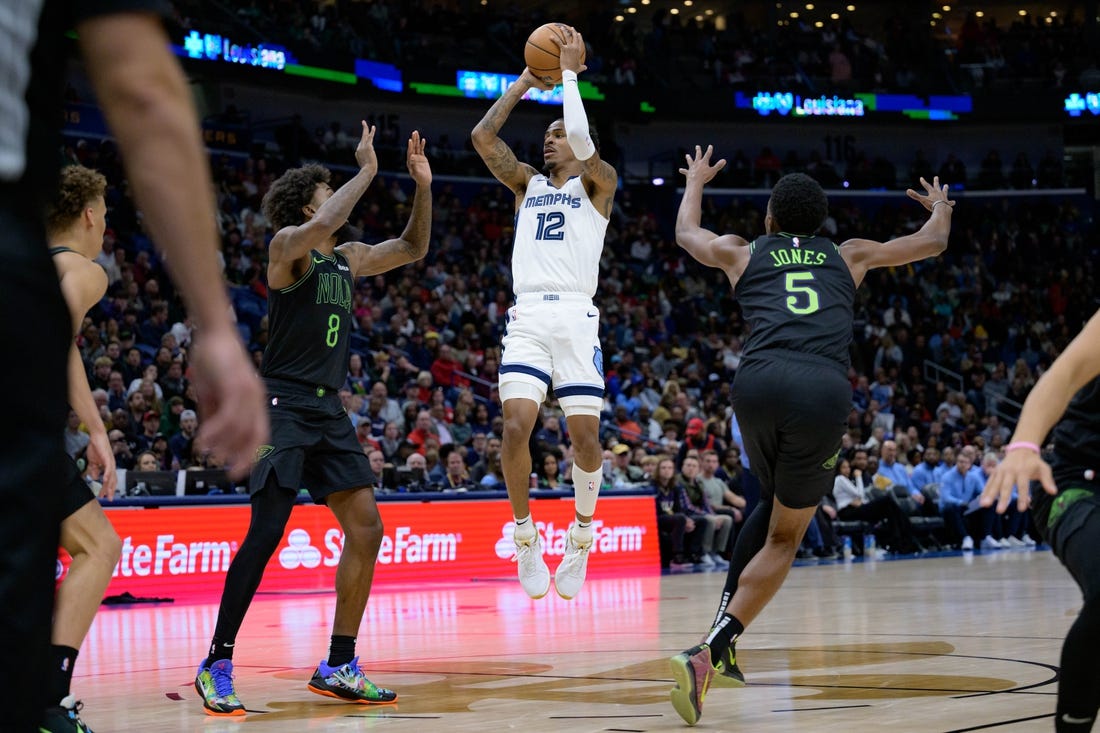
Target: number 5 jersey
<point x="797" y="293"/>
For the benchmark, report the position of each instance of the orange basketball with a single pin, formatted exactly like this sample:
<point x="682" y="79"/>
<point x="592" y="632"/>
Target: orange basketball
<point x="542" y="52"/>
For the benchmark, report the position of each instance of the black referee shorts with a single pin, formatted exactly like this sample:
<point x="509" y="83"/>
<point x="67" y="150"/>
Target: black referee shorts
<point x="792" y="409"/>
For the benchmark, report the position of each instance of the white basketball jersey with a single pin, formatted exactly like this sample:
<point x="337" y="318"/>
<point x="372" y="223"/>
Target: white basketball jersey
<point x="559" y="239"/>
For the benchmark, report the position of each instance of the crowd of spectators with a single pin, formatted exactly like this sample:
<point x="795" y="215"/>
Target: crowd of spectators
<point x="1014" y="286"/>
<point x="858" y="50"/>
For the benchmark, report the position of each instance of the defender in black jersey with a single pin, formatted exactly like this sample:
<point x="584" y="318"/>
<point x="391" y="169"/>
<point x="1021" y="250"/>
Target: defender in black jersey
<point x="311" y="275"/>
<point x="791" y="393"/>
<point x="1065" y="504"/>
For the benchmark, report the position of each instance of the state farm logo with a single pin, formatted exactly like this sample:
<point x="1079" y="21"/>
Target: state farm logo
<point x="299" y="552"/>
<point x="622" y="538"/>
<point x="402" y="547"/>
<point x="166" y="556"/>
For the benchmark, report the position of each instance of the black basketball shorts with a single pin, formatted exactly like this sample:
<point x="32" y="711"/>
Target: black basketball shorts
<point x="792" y="409"/>
<point x="313" y="444"/>
<point x="75" y="492"/>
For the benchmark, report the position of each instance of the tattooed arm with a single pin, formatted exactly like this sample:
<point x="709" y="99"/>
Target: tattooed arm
<point x="495" y="152"/>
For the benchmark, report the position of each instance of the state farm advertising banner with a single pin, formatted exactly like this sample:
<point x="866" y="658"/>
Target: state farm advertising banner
<point x="181" y="551"/>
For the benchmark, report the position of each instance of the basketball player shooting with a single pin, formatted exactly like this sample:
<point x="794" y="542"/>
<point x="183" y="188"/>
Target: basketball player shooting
<point x="552" y="334"/>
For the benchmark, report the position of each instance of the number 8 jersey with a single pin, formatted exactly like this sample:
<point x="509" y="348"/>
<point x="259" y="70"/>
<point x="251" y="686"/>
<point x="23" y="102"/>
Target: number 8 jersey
<point x="559" y="239"/>
<point x="308" y="325"/>
<point x="797" y="294"/>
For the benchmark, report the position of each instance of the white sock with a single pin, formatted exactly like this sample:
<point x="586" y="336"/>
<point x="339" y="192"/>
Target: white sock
<point x="525" y="529"/>
<point x="582" y="531"/>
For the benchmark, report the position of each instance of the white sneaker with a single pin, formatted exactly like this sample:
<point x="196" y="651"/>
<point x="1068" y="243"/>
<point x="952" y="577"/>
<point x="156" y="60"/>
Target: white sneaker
<point x="534" y="576"/>
<point x="705" y="562"/>
<point x="569" y="577"/>
<point x="988" y="543"/>
<point x="968" y="543"/>
<point x="718" y="561"/>
<point x="1028" y="542"/>
<point x="1013" y="542"/>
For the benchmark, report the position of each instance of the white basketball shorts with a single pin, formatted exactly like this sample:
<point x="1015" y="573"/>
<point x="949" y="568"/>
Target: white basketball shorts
<point x="553" y="338"/>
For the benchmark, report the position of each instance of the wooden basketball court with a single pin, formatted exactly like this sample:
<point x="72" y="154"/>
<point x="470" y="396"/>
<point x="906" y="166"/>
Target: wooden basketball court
<point x="948" y="643"/>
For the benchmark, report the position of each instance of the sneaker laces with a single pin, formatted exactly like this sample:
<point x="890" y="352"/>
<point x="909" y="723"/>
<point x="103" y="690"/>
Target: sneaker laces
<point x="526" y="554"/>
<point x="223" y="679"/>
<point x="576" y="558"/>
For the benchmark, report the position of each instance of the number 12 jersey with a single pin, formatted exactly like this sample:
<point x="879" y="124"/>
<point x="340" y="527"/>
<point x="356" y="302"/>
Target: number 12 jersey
<point x="559" y="239"/>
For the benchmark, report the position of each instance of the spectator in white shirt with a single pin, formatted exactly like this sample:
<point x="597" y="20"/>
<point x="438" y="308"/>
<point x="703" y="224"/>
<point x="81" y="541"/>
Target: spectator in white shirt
<point x="854" y="503"/>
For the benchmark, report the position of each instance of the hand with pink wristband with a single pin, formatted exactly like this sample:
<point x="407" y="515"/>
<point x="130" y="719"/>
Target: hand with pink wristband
<point x="1077" y="366"/>
<point x="1021" y="465"/>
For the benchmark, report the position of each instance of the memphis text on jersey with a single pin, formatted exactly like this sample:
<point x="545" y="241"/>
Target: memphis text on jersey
<point x="553" y="199"/>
